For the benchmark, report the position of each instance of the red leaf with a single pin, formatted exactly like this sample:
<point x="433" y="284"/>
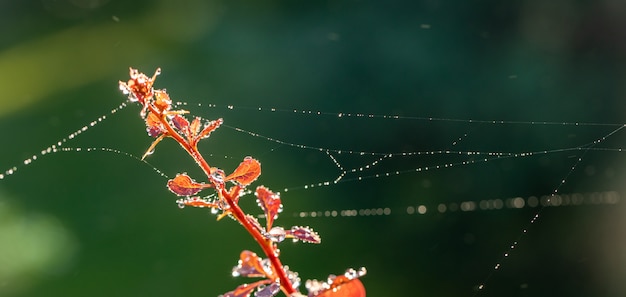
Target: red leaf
<point x="245" y="289"/>
<point x="249" y="265"/>
<point x="269" y="203"/>
<point x="208" y="128"/>
<point x="153" y="125"/>
<point x="197" y="202"/>
<point x="344" y="287"/>
<point x="247" y="172"/>
<point x="268" y="291"/>
<point x="305" y="234"/>
<point x="194" y="127"/>
<point x="183" y="185"/>
<point x="181" y="123"/>
<point x="139" y="87"/>
<point x="162" y="102"/>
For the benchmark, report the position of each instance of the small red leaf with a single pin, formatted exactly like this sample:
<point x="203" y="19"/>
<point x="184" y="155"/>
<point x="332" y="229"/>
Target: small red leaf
<point x="268" y="291"/>
<point x="139" y="87"/>
<point x="154" y="131"/>
<point x="181" y="123"/>
<point x="197" y="202"/>
<point x="247" y="172"/>
<point x="250" y="265"/>
<point x="346" y="285"/>
<point x="208" y="128"/>
<point x="245" y="289"/>
<point x="194" y="127"/>
<point x="162" y="102"/>
<point x="269" y="203"/>
<point x="183" y="185"/>
<point x="305" y="234"/>
<point x="153" y="125"/>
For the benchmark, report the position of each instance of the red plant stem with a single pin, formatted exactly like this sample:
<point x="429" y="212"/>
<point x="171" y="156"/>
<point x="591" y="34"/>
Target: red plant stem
<point x="266" y="244"/>
<point x="236" y="211"/>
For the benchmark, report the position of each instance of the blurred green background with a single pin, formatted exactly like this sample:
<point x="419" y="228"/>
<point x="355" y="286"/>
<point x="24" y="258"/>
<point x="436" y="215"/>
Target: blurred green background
<point x="103" y="224"/>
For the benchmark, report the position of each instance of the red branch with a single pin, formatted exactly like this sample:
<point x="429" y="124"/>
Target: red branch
<point x="163" y="122"/>
<point x="266" y="244"/>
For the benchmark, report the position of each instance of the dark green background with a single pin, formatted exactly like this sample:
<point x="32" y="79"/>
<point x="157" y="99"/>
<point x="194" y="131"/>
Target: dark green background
<point x="537" y="60"/>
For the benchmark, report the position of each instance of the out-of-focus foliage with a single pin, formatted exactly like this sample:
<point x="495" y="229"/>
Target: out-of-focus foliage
<point x="102" y="224"/>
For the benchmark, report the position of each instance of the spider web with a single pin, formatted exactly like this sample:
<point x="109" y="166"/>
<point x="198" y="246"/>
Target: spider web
<point x="458" y="180"/>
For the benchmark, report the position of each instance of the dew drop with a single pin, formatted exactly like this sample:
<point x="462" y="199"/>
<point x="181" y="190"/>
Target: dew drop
<point x="277" y="234"/>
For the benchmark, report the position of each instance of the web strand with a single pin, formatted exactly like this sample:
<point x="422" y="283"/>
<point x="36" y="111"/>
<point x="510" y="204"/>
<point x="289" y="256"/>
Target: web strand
<point x="54" y="148"/>
<point x="393" y="116"/>
<point x="585" y="149"/>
